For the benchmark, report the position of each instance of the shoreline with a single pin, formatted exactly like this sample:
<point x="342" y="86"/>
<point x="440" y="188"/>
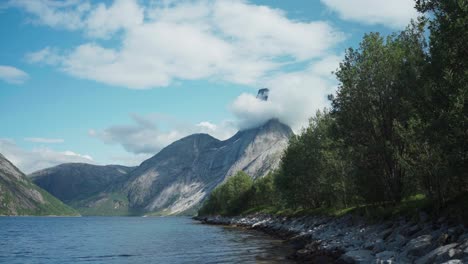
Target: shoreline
<point x="352" y="239"/>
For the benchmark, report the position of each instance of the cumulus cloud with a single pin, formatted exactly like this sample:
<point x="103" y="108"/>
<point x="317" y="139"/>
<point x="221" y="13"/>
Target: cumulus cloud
<point x="223" y="40"/>
<point x="144" y="135"/>
<point x="12" y="75"/>
<point x="103" y="21"/>
<point x="44" y="140"/>
<point x="294" y="97"/>
<point x="395" y="13"/>
<point x="29" y="161"/>
<point x="218" y="40"/>
<point x="47" y="55"/>
<point x="67" y="14"/>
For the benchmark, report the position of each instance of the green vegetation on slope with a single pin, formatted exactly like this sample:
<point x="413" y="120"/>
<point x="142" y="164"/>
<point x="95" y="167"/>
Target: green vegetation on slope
<point x="395" y="139"/>
<point x="105" y="204"/>
<point x="16" y="198"/>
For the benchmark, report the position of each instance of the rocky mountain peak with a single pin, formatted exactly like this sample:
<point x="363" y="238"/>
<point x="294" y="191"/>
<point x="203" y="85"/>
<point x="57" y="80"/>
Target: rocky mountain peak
<point x="263" y="94"/>
<point x="182" y="174"/>
<point x="175" y="180"/>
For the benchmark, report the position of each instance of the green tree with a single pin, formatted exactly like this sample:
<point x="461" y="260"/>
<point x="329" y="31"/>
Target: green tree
<point x="443" y="132"/>
<point x="313" y="171"/>
<point x="378" y="82"/>
<point x="229" y="198"/>
<point x="263" y="192"/>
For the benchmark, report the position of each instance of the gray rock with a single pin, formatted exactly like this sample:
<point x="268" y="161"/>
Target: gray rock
<point x="379" y="246"/>
<point x="386" y="233"/>
<point x="401" y="240"/>
<point x="463" y="238"/>
<point x="440" y="254"/>
<point x="358" y="256"/>
<point x="453" y="261"/>
<point x="337" y="235"/>
<point x="386" y="256"/>
<point x="419" y="246"/>
<point x="412" y="230"/>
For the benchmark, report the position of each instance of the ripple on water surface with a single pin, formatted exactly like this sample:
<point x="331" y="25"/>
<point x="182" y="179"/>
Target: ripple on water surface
<point x="131" y="240"/>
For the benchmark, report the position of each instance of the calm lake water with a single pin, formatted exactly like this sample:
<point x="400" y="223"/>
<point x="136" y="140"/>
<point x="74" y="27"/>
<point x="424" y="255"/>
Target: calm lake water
<point x="131" y="240"/>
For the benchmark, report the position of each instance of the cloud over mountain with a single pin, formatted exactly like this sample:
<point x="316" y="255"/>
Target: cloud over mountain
<point x="150" y="44"/>
<point x="294" y="96"/>
<point x="145" y="135"/>
<point x="38" y="158"/>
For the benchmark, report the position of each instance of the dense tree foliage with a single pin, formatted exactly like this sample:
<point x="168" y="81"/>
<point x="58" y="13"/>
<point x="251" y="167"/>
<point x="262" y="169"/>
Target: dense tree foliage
<point x="229" y="198"/>
<point x="397" y="126"/>
<point x="314" y="172"/>
<point x="379" y="81"/>
<point x="442" y="132"/>
<point x="263" y="193"/>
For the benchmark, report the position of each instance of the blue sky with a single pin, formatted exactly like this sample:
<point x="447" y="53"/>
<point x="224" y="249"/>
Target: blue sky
<point x="116" y="81"/>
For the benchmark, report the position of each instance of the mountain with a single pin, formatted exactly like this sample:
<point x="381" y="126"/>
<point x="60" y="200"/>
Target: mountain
<point x="91" y="189"/>
<point x="176" y="180"/>
<point x="181" y="175"/>
<point x="19" y="196"/>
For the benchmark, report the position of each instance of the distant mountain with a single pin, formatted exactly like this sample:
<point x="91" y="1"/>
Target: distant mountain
<point x="73" y="181"/>
<point x="91" y="189"/>
<point x="179" y="177"/>
<point x="19" y="196"/>
<point x="176" y="180"/>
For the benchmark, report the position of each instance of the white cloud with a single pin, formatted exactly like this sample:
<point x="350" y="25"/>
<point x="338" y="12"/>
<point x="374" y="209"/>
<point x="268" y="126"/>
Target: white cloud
<point x="44" y="140"/>
<point x="294" y="97"/>
<point x="130" y="159"/>
<point x="218" y="40"/>
<point x="12" y="75"/>
<point x="67" y="14"/>
<point x="48" y="55"/>
<point x="207" y="125"/>
<point x="395" y="13"/>
<point x="122" y="14"/>
<point x="144" y="136"/>
<point x="39" y="158"/>
<point x="221" y="131"/>
<point x="141" y="137"/>
<point x="268" y="32"/>
<point x="224" y="40"/>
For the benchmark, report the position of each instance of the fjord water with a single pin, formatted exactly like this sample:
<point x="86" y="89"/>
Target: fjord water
<point x="131" y="240"/>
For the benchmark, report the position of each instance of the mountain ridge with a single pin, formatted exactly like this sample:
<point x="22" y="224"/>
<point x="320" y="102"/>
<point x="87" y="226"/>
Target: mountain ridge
<point x="177" y="179"/>
<point x="69" y="180"/>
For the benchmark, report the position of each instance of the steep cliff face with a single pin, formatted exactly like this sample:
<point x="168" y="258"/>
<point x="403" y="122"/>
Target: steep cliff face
<point x="19" y="196"/>
<point x="179" y="177"/>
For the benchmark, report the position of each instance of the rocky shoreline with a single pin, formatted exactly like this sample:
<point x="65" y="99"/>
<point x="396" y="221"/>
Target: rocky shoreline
<point x="352" y="239"/>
